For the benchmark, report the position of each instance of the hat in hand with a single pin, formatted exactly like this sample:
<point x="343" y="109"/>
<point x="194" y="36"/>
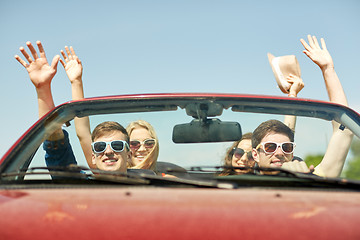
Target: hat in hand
<point x="283" y="66"/>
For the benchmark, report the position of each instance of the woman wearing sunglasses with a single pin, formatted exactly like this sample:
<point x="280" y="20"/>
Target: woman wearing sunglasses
<point x="144" y="145"/>
<point x="239" y="156"/>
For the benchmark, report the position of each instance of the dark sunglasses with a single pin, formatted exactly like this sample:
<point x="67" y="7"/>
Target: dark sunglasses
<point x="270" y="147"/>
<point x="239" y="152"/>
<point x="148" y="143"/>
<point x="116" y="146"/>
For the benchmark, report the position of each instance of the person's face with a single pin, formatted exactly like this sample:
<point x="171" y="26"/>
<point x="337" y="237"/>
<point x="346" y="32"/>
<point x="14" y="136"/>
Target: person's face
<point x="243" y="161"/>
<point x="110" y="160"/>
<point x="143" y="144"/>
<point x="275" y="159"/>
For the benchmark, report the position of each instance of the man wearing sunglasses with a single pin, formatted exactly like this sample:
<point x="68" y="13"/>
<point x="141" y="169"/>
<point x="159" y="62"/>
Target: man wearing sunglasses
<point x="269" y="134"/>
<point x="110" y="148"/>
<point x="110" y="145"/>
<point x="273" y="146"/>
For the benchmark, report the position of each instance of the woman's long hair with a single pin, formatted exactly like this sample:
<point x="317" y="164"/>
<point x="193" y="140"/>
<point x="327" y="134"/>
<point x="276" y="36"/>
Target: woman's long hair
<point x="227" y="161"/>
<point x="150" y="160"/>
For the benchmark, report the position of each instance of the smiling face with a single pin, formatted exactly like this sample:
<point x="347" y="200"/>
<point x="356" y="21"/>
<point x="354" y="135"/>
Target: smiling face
<point x="110" y="160"/>
<point x="275" y="159"/>
<point x="139" y="154"/>
<point x="243" y="161"/>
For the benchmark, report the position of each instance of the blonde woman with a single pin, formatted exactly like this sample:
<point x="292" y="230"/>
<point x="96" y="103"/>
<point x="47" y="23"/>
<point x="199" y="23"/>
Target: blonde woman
<point x="144" y="145"/>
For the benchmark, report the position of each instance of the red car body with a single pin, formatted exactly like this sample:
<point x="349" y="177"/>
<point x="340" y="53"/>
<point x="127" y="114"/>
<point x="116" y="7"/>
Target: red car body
<point x="160" y="213"/>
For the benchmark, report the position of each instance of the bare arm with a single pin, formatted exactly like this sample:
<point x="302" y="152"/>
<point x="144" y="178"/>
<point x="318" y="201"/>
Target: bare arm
<point x="322" y="58"/>
<point x="41" y="75"/>
<point x="339" y="144"/>
<point x="73" y="68"/>
<point x="296" y="85"/>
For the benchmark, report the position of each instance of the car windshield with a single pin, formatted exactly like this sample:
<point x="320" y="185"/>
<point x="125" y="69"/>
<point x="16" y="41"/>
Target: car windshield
<point x="185" y="138"/>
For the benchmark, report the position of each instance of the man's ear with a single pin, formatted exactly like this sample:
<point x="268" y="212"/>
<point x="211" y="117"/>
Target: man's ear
<point x="129" y="154"/>
<point x="255" y="155"/>
<point x="93" y="158"/>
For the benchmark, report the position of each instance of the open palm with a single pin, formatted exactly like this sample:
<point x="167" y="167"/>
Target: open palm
<point x="71" y="64"/>
<point x="318" y="55"/>
<point x="40" y="72"/>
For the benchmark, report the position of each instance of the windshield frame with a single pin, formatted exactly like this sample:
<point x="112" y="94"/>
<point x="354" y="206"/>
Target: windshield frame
<point x="19" y="155"/>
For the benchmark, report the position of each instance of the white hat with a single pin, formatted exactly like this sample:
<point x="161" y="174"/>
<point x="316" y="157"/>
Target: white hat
<point x="283" y="66"/>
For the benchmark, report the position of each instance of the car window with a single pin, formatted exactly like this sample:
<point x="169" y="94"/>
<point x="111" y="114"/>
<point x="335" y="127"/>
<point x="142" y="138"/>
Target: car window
<point x="311" y="136"/>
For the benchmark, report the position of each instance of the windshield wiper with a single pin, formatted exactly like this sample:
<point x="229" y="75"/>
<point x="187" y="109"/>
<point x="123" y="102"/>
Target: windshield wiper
<point x="255" y="170"/>
<point x="131" y="177"/>
<point x="69" y="171"/>
<point x="62" y="174"/>
<point x="281" y="178"/>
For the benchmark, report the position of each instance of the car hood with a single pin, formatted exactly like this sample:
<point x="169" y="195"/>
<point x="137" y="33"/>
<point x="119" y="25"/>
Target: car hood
<point x="162" y="213"/>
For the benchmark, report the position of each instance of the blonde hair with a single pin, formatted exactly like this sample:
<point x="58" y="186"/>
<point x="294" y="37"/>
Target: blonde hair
<point x="151" y="158"/>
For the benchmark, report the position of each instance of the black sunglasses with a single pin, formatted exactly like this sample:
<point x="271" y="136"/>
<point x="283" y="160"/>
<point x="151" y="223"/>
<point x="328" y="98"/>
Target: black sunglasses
<point x="239" y="152"/>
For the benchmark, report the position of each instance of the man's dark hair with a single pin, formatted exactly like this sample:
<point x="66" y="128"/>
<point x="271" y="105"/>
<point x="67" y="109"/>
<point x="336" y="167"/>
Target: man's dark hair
<point x="107" y="127"/>
<point x="264" y="128"/>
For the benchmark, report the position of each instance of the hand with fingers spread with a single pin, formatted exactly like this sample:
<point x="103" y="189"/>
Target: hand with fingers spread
<point x="340" y="141"/>
<point x="40" y="72"/>
<point x="317" y="54"/>
<point x="41" y="75"/>
<point x="73" y="69"/>
<point x="321" y="57"/>
<point x="71" y="64"/>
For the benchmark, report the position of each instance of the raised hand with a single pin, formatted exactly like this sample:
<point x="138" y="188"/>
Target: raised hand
<point x="73" y="69"/>
<point x="40" y="72"/>
<point x="41" y="75"/>
<point x="71" y="64"/>
<point x="296" y="85"/>
<point x="319" y="55"/>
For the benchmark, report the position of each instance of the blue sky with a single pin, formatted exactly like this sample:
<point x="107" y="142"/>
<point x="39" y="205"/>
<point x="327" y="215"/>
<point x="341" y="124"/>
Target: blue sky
<point x="143" y="46"/>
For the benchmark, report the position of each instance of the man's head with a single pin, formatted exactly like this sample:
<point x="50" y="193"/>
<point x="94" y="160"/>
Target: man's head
<point x="273" y="144"/>
<point x="110" y="147"/>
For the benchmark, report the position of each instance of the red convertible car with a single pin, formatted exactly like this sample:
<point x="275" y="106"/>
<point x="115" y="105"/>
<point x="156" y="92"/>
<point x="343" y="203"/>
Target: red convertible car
<point x="191" y="193"/>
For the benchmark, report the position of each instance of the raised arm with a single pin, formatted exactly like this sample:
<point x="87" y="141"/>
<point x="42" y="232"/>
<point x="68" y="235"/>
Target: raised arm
<point x="41" y="75"/>
<point x="321" y="57"/>
<point x="340" y="141"/>
<point x="73" y="68"/>
<point x="296" y="85"/>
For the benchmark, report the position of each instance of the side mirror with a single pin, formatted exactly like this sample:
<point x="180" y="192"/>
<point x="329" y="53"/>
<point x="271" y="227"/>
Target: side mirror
<point x="208" y="130"/>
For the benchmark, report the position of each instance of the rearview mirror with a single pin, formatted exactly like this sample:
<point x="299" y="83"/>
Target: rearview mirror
<point x="208" y="130"/>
